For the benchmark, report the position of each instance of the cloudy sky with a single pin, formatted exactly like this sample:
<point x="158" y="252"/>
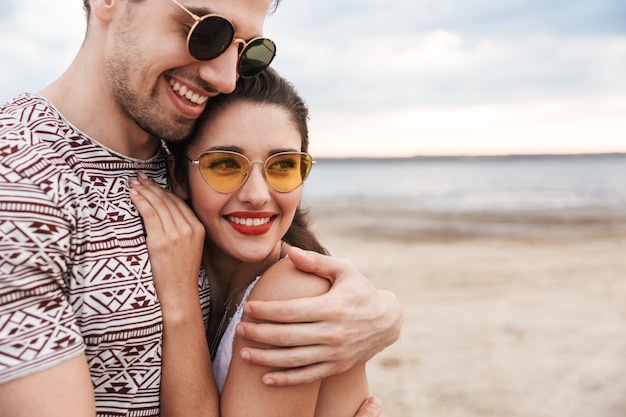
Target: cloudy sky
<point x="406" y="77"/>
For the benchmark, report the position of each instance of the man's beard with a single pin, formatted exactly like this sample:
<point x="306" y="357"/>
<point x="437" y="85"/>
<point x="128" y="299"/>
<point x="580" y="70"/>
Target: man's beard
<point x="142" y="110"/>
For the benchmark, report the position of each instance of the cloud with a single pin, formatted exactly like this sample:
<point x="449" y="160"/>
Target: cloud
<point x="38" y="40"/>
<point x="460" y="57"/>
<point x="541" y="126"/>
<point x="368" y="67"/>
<point x="408" y="77"/>
<point x="469" y="17"/>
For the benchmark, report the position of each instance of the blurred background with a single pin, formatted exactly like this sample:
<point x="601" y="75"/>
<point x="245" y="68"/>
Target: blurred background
<point x="471" y="158"/>
<point x="408" y="77"/>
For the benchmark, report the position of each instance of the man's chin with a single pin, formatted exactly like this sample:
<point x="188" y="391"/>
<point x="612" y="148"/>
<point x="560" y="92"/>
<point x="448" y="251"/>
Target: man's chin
<point x="174" y="132"/>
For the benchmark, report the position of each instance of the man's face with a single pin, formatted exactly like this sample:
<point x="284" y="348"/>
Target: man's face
<point x="153" y="79"/>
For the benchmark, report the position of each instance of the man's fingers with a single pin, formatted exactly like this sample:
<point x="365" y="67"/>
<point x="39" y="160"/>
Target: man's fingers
<point x="297" y="310"/>
<point x="372" y="407"/>
<point x="287" y="311"/>
<point x="328" y="267"/>
<point x="283" y="358"/>
<point x="296" y="375"/>
<point x="299" y="376"/>
<point x="289" y="335"/>
<point x="304" y="260"/>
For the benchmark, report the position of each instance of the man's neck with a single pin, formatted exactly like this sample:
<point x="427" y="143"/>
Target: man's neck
<point x="81" y="97"/>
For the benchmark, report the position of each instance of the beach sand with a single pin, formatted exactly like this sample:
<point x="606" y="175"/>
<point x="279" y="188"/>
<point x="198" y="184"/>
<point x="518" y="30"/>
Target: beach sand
<point x="516" y="314"/>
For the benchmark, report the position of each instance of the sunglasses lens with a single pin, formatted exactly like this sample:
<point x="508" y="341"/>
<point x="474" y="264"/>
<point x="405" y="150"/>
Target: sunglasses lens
<point x="287" y="171"/>
<point x="256" y="56"/>
<point x="210" y="37"/>
<point x="223" y="171"/>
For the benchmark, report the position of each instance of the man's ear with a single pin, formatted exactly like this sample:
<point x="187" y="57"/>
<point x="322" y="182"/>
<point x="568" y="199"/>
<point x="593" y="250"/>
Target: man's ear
<point x="178" y="180"/>
<point x="103" y="9"/>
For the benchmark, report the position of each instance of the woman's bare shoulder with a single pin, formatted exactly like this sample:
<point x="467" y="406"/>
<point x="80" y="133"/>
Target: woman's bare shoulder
<point x="283" y="281"/>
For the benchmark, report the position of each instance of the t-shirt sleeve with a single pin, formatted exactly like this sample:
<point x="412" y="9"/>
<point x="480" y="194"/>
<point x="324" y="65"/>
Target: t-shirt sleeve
<point x="38" y="327"/>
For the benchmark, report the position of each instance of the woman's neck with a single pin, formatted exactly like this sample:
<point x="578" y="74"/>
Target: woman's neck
<point x="228" y="279"/>
<point x="229" y="275"/>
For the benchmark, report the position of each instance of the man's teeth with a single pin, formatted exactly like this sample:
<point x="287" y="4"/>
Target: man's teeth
<point x="183" y="91"/>
<point x="249" y="222"/>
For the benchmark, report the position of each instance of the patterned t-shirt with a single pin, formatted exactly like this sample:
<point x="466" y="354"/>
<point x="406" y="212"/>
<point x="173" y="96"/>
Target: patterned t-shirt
<point x="74" y="269"/>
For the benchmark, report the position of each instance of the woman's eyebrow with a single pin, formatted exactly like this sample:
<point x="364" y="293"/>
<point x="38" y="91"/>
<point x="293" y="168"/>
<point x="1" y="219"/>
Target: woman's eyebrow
<point x="231" y="148"/>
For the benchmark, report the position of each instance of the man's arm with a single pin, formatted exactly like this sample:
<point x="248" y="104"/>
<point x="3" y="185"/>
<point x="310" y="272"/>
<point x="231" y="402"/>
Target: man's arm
<point x="43" y="369"/>
<point x="324" y="335"/>
<point x="64" y="390"/>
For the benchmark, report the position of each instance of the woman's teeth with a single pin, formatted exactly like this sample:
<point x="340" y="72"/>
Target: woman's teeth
<point x="249" y="222"/>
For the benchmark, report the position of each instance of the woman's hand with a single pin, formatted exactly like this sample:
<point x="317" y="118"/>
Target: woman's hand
<point x="324" y="335"/>
<point x="175" y="240"/>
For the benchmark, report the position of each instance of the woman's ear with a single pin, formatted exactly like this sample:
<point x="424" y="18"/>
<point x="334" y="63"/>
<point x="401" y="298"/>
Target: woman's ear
<point x="178" y="180"/>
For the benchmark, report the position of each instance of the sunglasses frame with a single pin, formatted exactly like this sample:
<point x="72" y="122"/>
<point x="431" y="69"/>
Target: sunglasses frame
<point x="243" y="44"/>
<point x="246" y="172"/>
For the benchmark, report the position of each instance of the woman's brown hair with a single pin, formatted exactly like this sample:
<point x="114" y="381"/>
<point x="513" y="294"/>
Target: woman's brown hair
<point x="267" y="88"/>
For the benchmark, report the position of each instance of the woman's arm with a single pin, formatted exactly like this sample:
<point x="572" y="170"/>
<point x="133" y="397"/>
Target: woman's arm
<point x="244" y="381"/>
<point x="323" y="335"/>
<point x="175" y="242"/>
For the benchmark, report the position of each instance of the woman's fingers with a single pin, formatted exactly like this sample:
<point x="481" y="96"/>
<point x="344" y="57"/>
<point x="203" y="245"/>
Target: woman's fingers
<point x="175" y="240"/>
<point x="164" y="211"/>
<point x="153" y="202"/>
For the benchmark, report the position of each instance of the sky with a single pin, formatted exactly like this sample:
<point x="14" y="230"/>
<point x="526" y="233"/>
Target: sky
<point x="408" y="77"/>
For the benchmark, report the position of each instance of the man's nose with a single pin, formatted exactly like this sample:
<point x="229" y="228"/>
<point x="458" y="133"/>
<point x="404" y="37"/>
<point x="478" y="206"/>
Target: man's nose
<point x="221" y="72"/>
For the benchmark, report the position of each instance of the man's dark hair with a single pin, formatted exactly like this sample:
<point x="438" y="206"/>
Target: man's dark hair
<point x="87" y="7"/>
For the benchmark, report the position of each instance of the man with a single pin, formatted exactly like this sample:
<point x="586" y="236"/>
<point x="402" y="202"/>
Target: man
<point x="80" y="324"/>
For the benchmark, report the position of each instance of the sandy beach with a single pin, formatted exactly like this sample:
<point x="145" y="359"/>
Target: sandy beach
<point x="514" y="314"/>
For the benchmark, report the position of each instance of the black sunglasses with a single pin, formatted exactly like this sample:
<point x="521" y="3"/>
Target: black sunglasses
<point x="212" y="34"/>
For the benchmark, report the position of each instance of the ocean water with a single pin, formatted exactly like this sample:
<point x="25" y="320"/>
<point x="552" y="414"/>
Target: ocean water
<point x="473" y="183"/>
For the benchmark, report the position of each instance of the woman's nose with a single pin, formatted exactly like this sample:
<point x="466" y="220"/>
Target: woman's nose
<point x="256" y="190"/>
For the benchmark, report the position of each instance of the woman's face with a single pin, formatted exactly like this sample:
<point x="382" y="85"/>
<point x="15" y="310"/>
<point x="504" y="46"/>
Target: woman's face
<point x="247" y="223"/>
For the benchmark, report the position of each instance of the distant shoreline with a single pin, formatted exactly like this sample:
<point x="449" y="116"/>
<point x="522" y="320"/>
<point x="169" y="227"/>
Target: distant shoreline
<point x="440" y="158"/>
<point x="375" y="221"/>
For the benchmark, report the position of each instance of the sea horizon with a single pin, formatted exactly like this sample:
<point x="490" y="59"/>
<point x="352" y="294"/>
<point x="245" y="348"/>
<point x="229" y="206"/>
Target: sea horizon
<point x="472" y="183"/>
<point x="474" y="156"/>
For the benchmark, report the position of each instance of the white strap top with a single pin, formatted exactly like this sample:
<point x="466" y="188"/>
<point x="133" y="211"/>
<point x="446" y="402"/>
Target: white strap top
<point x="224" y="354"/>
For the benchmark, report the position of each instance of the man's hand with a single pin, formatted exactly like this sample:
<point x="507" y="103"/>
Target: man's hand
<point x="372" y="407"/>
<point x="325" y="335"/>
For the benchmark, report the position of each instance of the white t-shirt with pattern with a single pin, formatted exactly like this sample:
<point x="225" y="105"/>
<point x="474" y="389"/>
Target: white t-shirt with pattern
<point x="74" y="270"/>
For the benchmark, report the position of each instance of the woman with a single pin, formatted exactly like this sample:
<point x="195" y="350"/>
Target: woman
<point x="242" y="173"/>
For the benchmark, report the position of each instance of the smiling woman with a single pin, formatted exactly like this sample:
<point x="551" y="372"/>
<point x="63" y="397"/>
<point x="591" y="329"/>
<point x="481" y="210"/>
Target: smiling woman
<point x="245" y="187"/>
<point x="68" y="155"/>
